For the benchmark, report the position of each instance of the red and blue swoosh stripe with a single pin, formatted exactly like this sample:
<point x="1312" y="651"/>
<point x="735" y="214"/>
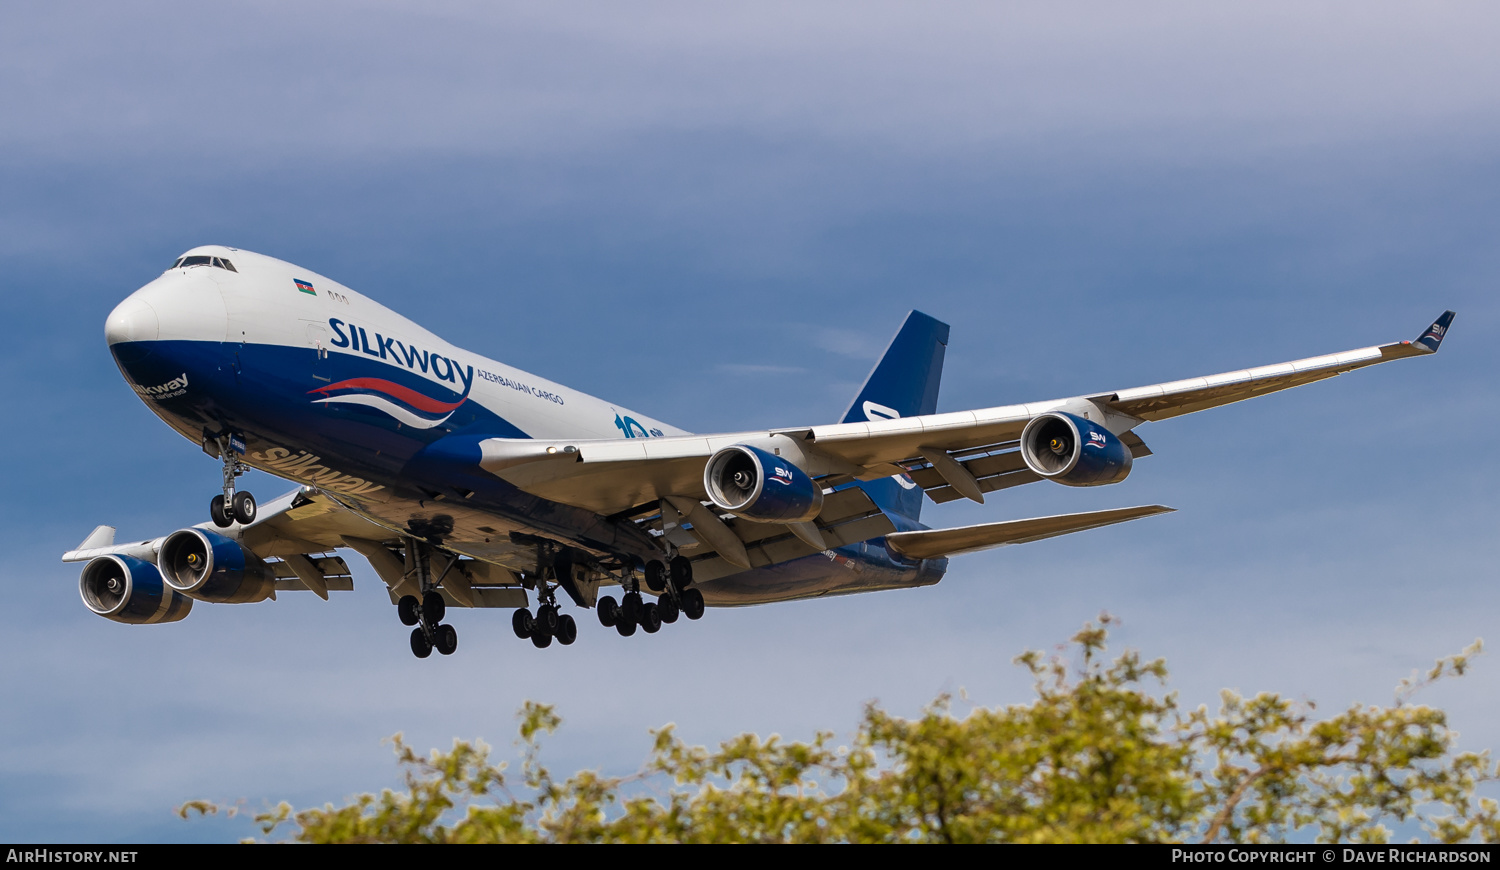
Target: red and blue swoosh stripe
<point x="403" y="403"/>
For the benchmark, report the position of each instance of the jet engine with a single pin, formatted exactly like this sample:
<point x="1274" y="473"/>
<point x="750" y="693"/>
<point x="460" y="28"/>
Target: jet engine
<point x="759" y="486"/>
<point x="211" y="567"/>
<point x="1073" y="451"/>
<point x="128" y="590"/>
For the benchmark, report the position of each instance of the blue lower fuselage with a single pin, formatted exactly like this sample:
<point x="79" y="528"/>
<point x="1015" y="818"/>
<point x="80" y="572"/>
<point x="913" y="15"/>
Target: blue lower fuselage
<point x="293" y="408"/>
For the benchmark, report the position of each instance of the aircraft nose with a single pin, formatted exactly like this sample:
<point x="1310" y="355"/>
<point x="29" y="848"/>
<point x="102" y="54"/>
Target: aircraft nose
<point x="132" y="320"/>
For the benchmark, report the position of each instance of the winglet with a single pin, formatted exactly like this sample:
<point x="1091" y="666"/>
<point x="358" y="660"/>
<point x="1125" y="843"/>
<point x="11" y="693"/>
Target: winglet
<point x="1433" y="337"/>
<point x="101" y="536"/>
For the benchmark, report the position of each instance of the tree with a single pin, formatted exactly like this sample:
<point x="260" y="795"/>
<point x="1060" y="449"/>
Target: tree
<point x="1097" y="757"/>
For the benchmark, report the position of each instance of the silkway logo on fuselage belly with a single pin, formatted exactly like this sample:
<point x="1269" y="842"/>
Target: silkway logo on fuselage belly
<point x="403" y="403"/>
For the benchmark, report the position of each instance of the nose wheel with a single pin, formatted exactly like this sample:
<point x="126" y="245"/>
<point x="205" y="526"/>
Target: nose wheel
<point x="239" y="508"/>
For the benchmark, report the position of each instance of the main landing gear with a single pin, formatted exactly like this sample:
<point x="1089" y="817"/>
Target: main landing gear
<point x="426" y="613"/>
<point x="232" y="507"/>
<point x="676" y="599"/>
<point x="548" y="623"/>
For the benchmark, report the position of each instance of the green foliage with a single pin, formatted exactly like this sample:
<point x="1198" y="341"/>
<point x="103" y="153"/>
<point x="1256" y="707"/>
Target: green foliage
<point x="1097" y="757"/>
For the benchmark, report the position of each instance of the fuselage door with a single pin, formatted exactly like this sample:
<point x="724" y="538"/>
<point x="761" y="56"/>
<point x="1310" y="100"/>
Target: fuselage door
<point x="318" y="337"/>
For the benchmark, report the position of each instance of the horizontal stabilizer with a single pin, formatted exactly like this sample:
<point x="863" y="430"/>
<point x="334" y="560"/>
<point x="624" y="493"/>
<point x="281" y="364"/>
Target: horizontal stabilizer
<point x="933" y="543"/>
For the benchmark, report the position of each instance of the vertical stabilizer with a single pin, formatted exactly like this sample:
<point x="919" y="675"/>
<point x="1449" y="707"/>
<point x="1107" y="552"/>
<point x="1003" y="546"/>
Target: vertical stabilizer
<point x="904" y="383"/>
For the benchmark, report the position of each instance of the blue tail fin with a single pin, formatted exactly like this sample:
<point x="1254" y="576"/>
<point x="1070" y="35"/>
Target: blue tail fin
<point x="903" y="384"/>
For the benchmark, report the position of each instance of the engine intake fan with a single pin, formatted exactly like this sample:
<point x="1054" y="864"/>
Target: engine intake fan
<point x="759" y="486"/>
<point x="1073" y="451"/>
<point x="126" y="589"/>
<point x="211" y="567"/>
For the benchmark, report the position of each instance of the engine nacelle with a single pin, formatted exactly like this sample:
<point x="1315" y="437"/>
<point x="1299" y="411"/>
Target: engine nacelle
<point x="126" y="589"/>
<point x="759" y="486"/>
<point x="211" y="567"/>
<point x="1073" y="451"/>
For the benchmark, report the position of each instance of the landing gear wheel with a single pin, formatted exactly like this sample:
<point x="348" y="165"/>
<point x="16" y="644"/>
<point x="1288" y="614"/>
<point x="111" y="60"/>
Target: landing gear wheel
<point x="625" y="627"/>
<point x="630" y="610"/>
<point x="681" y="572"/>
<point x="650" y="619"/>
<point x="541" y="639"/>
<point x="656" y="576"/>
<point x="692" y="604"/>
<point x="421" y="647"/>
<point x="433" y="607"/>
<point x="406" y="608"/>
<point x="609" y="611"/>
<point x="546" y="619"/>
<point x="522" y="623"/>
<point x="667" y="609"/>
<point x="217" y="513"/>
<point x="567" y="630"/>
<point x="447" y="640"/>
<point x="242" y="508"/>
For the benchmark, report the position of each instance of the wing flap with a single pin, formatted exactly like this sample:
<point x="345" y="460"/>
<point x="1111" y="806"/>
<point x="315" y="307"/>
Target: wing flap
<point x="335" y="584"/>
<point x="329" y="566"/>
<point x="786" y="546"/>
<point x="933" y="543"/>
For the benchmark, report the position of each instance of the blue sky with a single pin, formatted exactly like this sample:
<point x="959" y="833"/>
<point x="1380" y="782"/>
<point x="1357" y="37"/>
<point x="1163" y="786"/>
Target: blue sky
<point x="718" y="215"/>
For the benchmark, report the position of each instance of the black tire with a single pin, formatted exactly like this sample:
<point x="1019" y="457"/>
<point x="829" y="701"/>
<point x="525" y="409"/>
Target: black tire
<point x="406" y="608"/>
<point x="650" y="618"/>
<point x="522" y="623"/>
<point x="242" y="508"/>
<point x="217" y="513"/>
<point x="667" y="609"/>
<point x="656" y="576"/>
<point x="625" y="627"/>
<point x="608" y="610"/>
<point x="567" y="629"/>
<point x="541" y="639"/>
<point x="680" y="571"/>
<point x="546" y="618"/>
<point x="630" y="608"/>
<point x="447" y="640"/>
<point x="692" y="604"/>
<point x="421" y="647"/>
<point x="434" y="608"/>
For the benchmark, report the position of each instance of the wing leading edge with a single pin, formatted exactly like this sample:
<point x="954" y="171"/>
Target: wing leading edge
<point x="612" y="476"/>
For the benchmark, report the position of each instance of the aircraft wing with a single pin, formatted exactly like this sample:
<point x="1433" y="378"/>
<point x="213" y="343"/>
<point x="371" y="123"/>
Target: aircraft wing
<point x="948" y="455"/>
<point x="295" y="534"/>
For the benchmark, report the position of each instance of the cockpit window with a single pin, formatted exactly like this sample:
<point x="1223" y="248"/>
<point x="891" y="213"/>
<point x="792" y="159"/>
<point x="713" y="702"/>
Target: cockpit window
<point x="200" y="260"/>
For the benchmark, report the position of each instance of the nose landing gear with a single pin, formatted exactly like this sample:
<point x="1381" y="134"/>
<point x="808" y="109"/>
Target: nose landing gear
<point x="231" y="507"/>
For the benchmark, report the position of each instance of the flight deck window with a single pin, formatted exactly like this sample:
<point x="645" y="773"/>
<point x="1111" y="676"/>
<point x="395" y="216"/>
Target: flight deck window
<point x="199" y="260"/>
